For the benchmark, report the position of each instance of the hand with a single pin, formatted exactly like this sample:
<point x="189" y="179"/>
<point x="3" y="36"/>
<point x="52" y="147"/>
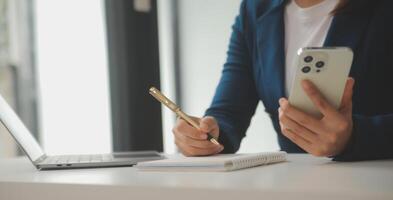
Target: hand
<point x="192" y="141"/>
<point x="327" y="136"/>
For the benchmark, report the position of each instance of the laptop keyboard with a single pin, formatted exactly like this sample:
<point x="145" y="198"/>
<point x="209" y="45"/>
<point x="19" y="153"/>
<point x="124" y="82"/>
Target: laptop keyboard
<point x="65" y="159"/>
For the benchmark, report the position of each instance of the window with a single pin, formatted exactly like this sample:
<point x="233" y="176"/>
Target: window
<point x="73" y="76"/>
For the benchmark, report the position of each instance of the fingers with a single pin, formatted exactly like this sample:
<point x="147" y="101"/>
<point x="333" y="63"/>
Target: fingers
<point x="288" y="123"/>
<point x="300" y="117"/>
<point x="195" y="151"/>
<point x="317" y="98"/>
<point x="346" y="102"/>
<point x="320" y="137"/>
<point x="188" y="150"/>
<point x="192" y="141"/>
<point x="209" y="125"/>
<point x="182" y="127"/>
<point x="295" y="138"/>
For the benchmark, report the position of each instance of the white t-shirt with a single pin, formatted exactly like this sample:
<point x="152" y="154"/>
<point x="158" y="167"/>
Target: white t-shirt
<point x="304" y="27"/>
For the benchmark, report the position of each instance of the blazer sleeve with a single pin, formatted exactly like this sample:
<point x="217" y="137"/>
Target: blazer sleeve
<point x="372" y="138"/>
<point x="235" y="98"/>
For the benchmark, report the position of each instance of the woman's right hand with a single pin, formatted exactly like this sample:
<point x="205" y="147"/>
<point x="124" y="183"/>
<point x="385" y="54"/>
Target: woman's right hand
<point x="192" y="141"/>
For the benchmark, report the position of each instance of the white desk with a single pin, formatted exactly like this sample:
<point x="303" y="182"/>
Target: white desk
<point x="302" y="177"/>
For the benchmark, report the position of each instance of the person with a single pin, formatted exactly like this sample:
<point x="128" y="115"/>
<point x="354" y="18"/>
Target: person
<point x="259" y="67"/>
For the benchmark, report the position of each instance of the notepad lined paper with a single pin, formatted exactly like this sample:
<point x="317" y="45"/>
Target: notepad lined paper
<point x="224" y="162"/>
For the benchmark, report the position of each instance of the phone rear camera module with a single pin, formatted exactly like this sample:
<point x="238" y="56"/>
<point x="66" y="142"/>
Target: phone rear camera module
<point x="306" y="69"/>
<point x="319" y="64"/>
<point x="308" y="59"/>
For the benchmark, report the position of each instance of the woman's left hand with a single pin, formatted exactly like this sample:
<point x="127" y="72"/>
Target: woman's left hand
<point x="327" y="136"/>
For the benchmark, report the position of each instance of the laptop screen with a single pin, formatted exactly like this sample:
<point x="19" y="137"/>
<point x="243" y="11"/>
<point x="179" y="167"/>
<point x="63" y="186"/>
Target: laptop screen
<point x="19" y="131"/>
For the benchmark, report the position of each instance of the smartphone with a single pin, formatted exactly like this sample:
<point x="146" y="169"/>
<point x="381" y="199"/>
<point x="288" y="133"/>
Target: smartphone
<point x="328" y="69"/>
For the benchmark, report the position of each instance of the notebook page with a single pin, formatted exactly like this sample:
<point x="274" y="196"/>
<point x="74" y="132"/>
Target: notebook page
<point x="214" y="163"/>
<point x="182" y="161"/>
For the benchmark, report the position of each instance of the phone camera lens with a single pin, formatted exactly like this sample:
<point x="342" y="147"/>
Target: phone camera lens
<point x="308" y="59"/>
<point x="306" y="69"/>
<point x="319" y="64"/>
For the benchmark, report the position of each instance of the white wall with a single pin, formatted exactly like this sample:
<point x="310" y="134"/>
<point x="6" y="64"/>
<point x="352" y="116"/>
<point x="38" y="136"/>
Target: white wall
<point x="72" y="76"/>
<point x="205" y="27"/>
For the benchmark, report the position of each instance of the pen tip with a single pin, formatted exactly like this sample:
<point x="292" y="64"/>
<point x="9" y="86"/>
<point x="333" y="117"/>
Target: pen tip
<point x="214" y="141"/>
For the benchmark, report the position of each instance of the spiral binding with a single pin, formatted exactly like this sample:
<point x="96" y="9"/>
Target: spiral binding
<point x="257" y="159"/>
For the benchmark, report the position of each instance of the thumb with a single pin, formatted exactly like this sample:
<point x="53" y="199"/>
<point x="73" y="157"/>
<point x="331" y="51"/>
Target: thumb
<point x="346" y="102"/>
<point x="207" y="124"/>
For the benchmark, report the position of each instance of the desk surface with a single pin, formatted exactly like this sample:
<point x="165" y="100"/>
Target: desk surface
<point x="302" y="177"/>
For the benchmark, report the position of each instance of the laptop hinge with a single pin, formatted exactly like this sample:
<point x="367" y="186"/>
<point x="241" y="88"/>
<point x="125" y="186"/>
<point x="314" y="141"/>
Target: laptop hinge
<point x="40" y="159"/>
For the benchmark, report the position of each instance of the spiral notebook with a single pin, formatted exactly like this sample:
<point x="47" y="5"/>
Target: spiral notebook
<point x="224" y="162"/>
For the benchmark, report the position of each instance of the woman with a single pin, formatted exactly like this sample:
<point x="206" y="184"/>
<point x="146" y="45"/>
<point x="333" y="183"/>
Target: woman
<point x="263" y="45"/>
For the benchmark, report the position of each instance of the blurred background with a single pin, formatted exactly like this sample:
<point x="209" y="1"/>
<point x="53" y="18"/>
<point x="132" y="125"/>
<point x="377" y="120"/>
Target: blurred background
<point x="78" y="72"/>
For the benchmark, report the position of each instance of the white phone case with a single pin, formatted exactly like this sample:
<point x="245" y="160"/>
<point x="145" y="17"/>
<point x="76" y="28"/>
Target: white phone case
<point x="328" y="69"/>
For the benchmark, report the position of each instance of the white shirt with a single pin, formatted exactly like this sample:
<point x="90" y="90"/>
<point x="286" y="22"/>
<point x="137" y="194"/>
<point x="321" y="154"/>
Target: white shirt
<point x="304" y="27"/>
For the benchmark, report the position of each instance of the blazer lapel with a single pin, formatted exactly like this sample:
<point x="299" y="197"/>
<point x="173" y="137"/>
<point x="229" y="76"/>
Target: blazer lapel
<point x="270" y="44"/>
<point x="348" y="30"/>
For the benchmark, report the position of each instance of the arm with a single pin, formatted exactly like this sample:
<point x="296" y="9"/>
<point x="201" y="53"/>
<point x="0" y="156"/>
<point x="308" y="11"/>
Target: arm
<point x="236" y="97"/>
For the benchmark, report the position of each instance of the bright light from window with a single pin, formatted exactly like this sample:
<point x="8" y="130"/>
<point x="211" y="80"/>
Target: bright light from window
<point x="72" y="76"/>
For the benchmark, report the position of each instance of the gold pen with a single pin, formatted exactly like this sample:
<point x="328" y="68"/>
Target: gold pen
<point x="176" y="109"/>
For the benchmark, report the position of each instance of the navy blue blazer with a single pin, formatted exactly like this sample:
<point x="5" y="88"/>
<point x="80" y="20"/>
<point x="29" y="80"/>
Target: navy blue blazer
<point x="254" y="71"/>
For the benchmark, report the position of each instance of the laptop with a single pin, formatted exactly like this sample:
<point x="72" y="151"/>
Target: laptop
<point x="43" y="162"/>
